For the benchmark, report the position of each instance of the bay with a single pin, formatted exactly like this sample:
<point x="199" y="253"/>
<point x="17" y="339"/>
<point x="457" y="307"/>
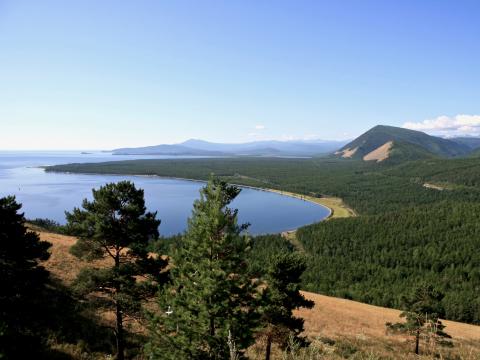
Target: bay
<point x="49" y="195"/>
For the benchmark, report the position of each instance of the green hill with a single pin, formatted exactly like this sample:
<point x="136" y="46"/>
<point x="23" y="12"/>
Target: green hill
<point x="393" y="143"/>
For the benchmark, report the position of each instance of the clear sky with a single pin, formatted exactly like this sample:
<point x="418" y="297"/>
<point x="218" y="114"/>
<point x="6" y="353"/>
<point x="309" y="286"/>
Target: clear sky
<point x="104" y="74"/>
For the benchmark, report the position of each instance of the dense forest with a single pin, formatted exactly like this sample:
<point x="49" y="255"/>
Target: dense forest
<point x="406" y="232"/>
<point x="377" y="259"/>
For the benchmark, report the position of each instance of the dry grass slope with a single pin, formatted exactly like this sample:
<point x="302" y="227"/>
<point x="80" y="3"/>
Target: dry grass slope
<point x="63" y="265"/>
<point x="334" y="317"/>
<point x="352" y="325"/>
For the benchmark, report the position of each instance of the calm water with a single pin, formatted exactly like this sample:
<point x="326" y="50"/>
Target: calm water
<point x="48" y="195"/>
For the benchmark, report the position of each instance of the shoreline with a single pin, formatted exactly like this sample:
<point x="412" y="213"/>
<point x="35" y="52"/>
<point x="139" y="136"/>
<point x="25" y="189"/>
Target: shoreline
<point x="335" y="206"/>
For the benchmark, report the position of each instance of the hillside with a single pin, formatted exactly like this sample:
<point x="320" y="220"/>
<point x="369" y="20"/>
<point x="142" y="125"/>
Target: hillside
<point x="472" y="142"/>
<point x="335" y="317"/>
<point x="344" y="323"/>
<point x="387" y="142"/>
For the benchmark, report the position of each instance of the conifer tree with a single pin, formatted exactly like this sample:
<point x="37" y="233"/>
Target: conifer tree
<point x="22" y="283"/>
<point x="116" y="225"/>
<point x="209" y="311"/>
<point x="282" y="296"/>
<point x="422" y="314"/>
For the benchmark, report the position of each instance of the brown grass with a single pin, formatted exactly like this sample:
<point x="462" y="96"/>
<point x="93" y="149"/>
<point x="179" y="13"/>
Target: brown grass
<point x="349" y="323"/>
<point x="334" y="317"/>
<point x="63" y="265"/>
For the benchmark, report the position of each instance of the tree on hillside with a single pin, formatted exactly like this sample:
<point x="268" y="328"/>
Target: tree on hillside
<point x="282" y="296"/>
<point x="116" y="225"/>
<point x="422" y="317"/>
<point x="209" y="311"/>
<point x="22" y="282"/>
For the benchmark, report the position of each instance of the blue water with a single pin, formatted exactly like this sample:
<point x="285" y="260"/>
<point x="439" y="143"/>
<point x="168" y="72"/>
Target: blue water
<point x="48" y="195"/>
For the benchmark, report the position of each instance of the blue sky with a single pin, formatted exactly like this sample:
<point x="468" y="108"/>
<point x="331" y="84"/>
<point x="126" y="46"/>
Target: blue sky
<point x="104" y="74"/>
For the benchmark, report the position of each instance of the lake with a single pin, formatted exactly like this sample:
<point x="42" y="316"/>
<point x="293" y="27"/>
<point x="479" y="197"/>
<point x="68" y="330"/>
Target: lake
<point x="48" y="195"/>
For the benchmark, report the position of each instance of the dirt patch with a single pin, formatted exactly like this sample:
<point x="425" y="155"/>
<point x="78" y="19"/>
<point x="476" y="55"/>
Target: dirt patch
<point x="347" y="153"/>
<point x="433" y="186"/>
<point x="379" y="154"/>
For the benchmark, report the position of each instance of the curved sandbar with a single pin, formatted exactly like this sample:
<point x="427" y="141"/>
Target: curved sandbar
<point x="338" y="209"/>
<point x="335" y="206"/>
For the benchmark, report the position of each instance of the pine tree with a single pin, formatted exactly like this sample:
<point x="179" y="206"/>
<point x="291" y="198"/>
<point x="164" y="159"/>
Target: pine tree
<point x="282" y="296"/>
<point x="209" y="311"/>
<point x="116" y="225"/>
<point x="422" y="314"/>
<point x="22" y="283"/>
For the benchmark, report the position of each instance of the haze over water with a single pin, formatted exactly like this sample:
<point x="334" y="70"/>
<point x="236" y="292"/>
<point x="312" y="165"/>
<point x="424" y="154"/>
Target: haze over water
<point x="49" y="195"/>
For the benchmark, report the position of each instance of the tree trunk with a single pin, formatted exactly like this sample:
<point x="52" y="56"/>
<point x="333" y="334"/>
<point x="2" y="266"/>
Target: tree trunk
<point x="232" y="347"/>
<point x="119" y="333"/>
<point x="118" y="312"/>
<point x="212" y="326"/>
<point x="269" y="348"/>
<point x="417" y="342"/>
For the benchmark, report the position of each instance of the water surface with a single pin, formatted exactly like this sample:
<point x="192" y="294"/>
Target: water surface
<point x="48" y="195"/>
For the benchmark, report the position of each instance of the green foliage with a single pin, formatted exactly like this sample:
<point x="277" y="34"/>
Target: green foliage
<point x="403" y="151"/>
<point x="48" y="225"/>
<point x="377" y="259"/>
<point x="461" y="175"/>
<point x="211" y="302"/>
<point x="422" y="314"/>
<point x="165" y="245"/>
<point x="282" y="296"/>
<point x="265" y="247"/>
<point x="116" y="225"/>
<point x="23" y="280"/>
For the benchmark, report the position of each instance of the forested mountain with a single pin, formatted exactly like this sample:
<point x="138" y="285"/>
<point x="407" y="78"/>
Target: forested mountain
<point x="388" y="142"/>
<point x="378" y="144"/>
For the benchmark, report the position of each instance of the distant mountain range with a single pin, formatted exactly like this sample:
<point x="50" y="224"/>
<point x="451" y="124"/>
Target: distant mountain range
<point x="472" y="142"/>
<point x="194" y="147"/>
<point x="388" y="142"/>
<point x="377" y="144"/>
